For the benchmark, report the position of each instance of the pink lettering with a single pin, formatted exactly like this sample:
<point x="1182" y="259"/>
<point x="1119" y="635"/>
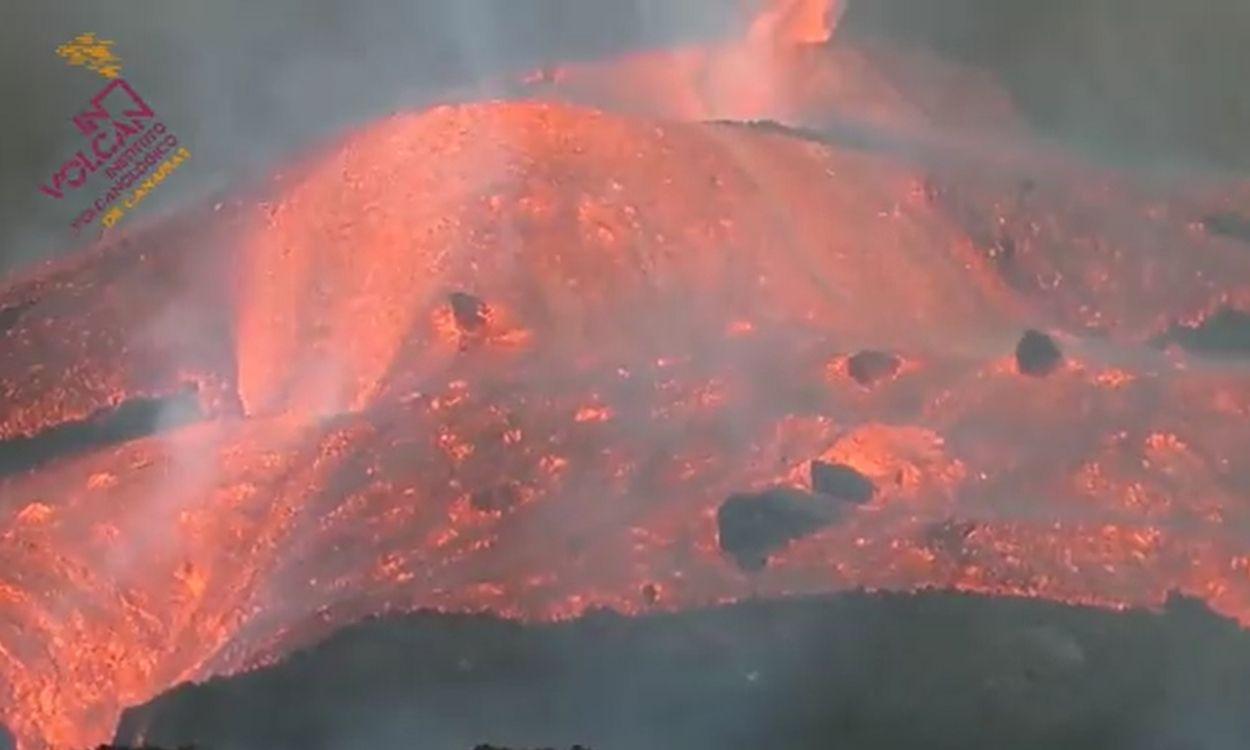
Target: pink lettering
<point x="143" y="111"/>
<point x="124" y="130"/>
<point x="95" y="147"/>
<point x="87" y="162"/>
<point x="82" y="172"/>
<point x="86" y="121"/>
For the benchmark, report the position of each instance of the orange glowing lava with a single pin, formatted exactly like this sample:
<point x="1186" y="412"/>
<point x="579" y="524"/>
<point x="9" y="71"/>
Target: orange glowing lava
<point x="514" y="355"/>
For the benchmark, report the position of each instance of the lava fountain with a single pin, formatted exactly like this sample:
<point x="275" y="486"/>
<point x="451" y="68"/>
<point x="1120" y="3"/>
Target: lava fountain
<point x="517" y="355"/>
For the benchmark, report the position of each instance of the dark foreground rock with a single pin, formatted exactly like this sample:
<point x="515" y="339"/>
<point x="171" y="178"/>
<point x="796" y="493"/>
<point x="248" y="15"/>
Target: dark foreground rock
<point x="931" y="671"/>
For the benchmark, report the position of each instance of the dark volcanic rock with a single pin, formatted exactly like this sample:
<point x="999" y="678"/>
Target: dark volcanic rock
<point x="751" y="526"/>
<point x="841" y="481"/>
<point x="469" y="311"/>
<point x="1036" y="354"/>
<point x="869" y="366"/>
<point x="650" y="594"/>
<point x="930" y="671"/>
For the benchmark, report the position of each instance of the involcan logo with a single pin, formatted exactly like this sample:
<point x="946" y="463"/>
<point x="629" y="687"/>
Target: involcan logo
<point x="121" y="136"/>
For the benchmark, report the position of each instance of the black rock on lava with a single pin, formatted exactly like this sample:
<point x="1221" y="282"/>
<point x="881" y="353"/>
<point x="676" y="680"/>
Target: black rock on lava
<point x="870" y="366"/>
<point x="841" y="481"/>
<point x="469" y="311"/>
<point x="752" y="526"/>
<point x="1037" y="354"/>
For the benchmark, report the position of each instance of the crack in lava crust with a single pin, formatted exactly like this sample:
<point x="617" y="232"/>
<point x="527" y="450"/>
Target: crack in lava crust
<point x="648" y="318"/>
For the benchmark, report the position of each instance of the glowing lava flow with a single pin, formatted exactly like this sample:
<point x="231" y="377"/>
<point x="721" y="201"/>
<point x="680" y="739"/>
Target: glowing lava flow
<point x="651" y="317"/>
<point x="514" y="356"/>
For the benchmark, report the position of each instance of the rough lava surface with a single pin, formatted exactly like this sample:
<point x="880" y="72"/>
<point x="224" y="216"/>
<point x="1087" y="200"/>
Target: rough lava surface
<point x="515" y="355"/>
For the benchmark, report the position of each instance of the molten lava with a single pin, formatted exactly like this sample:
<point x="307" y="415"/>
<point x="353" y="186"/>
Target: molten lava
<point x="516" y="355"/>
